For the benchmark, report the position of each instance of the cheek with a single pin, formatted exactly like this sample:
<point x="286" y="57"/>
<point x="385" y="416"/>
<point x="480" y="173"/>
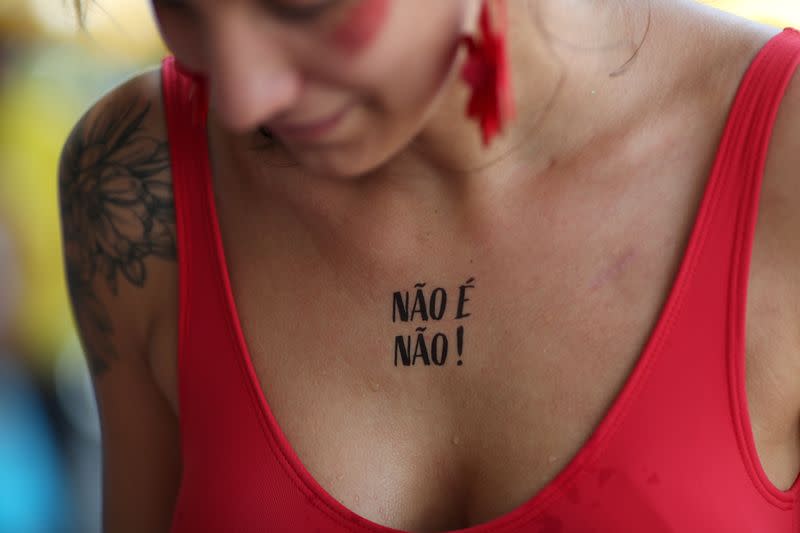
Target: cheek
<point x="179" y="34"/>
<point x="361" y="25"/>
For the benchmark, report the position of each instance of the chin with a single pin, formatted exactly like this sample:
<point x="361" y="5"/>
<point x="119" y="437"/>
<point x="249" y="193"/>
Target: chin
<point x="341" y="163"/>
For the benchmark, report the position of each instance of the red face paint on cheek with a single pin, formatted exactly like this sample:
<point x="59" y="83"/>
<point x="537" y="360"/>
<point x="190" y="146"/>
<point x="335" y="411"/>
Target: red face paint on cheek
<point x="361" y="25"/>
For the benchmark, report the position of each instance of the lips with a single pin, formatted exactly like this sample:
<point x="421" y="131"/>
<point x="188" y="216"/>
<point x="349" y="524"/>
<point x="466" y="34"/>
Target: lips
<point x="310" y="130"/>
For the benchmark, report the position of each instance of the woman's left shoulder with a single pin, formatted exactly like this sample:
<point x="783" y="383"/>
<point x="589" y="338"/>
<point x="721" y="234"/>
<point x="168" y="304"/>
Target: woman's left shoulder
<point x="777" y="248"/>
<point x="774" y="287"/>
<point x="782" y="170"/>
<point x="785" y="142"/>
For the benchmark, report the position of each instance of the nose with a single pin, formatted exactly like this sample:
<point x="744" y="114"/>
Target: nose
<point x="251" y="76"/>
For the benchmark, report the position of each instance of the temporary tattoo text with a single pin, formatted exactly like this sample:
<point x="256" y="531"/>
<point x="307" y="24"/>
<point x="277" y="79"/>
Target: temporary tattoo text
<point x="429" y="345"/>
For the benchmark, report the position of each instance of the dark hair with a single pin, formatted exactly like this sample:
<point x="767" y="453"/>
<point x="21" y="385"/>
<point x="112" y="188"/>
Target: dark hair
<point x="80" y="11"/>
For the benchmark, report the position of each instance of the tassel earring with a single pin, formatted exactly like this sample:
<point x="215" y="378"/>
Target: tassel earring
<point x="486" y="71"/>
<point x="198" y="94"/>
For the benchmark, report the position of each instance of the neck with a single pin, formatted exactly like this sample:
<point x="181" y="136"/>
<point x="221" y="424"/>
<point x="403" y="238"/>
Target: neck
<point x="568" y="64"/>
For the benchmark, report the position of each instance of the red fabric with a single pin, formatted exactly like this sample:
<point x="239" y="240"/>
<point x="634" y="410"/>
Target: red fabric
<point x="487" y="73"/>
<point x="674" y="453"/>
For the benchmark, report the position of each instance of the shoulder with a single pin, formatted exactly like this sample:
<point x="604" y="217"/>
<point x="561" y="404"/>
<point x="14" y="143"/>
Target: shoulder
<point x="785" y="143"/>
<point x="775" y="263"/>
<point x="780" y="191"/>
<point x="117" y="219"/>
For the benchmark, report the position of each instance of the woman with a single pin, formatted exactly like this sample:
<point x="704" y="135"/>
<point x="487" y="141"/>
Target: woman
<point x="316" y="295"/>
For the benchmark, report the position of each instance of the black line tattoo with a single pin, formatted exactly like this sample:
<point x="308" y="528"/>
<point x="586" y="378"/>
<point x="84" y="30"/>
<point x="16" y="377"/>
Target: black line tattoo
<point x="116" y="209"/>
<point x="427" y="306"/>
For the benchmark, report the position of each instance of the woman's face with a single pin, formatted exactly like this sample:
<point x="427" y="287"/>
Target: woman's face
<point x="344" y="84"/>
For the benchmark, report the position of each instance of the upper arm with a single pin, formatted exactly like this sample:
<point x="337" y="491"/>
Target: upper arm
<point x="117" y="225"/>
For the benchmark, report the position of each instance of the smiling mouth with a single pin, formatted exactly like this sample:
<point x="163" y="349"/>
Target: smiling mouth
<point x="312" y="129"/>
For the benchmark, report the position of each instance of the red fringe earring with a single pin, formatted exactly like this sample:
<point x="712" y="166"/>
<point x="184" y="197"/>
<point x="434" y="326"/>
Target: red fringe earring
<point x="487" y="72"/>
<point x="198" y="94"/>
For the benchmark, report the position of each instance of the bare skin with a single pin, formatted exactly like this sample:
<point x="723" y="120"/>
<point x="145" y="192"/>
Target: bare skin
<point x="528" y="364"/>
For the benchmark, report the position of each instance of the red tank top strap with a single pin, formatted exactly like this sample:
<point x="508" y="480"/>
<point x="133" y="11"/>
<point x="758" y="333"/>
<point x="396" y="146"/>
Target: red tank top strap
<point x="718" y="258"/>
<point x="186" y="145"/>
<point x="209" y="378"/>
<point x="744" y="161"/>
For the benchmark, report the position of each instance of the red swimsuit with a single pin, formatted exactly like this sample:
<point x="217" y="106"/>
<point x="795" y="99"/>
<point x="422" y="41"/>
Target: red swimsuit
<point x="674" y="453"/>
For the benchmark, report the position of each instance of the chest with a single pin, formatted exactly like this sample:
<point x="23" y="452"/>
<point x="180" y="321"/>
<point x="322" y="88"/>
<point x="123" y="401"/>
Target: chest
<point x="363" y="376"/>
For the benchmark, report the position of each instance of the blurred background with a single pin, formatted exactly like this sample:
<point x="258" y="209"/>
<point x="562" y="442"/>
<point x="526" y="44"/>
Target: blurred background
<point x="50" y="73"/>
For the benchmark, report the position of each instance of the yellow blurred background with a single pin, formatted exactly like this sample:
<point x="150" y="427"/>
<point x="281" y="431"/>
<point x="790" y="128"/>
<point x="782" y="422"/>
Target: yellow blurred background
<point x="49" y="74"/>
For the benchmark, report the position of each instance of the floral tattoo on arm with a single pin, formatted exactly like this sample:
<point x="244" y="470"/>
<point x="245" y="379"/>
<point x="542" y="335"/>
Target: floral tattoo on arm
<point x="116" y="210"/>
